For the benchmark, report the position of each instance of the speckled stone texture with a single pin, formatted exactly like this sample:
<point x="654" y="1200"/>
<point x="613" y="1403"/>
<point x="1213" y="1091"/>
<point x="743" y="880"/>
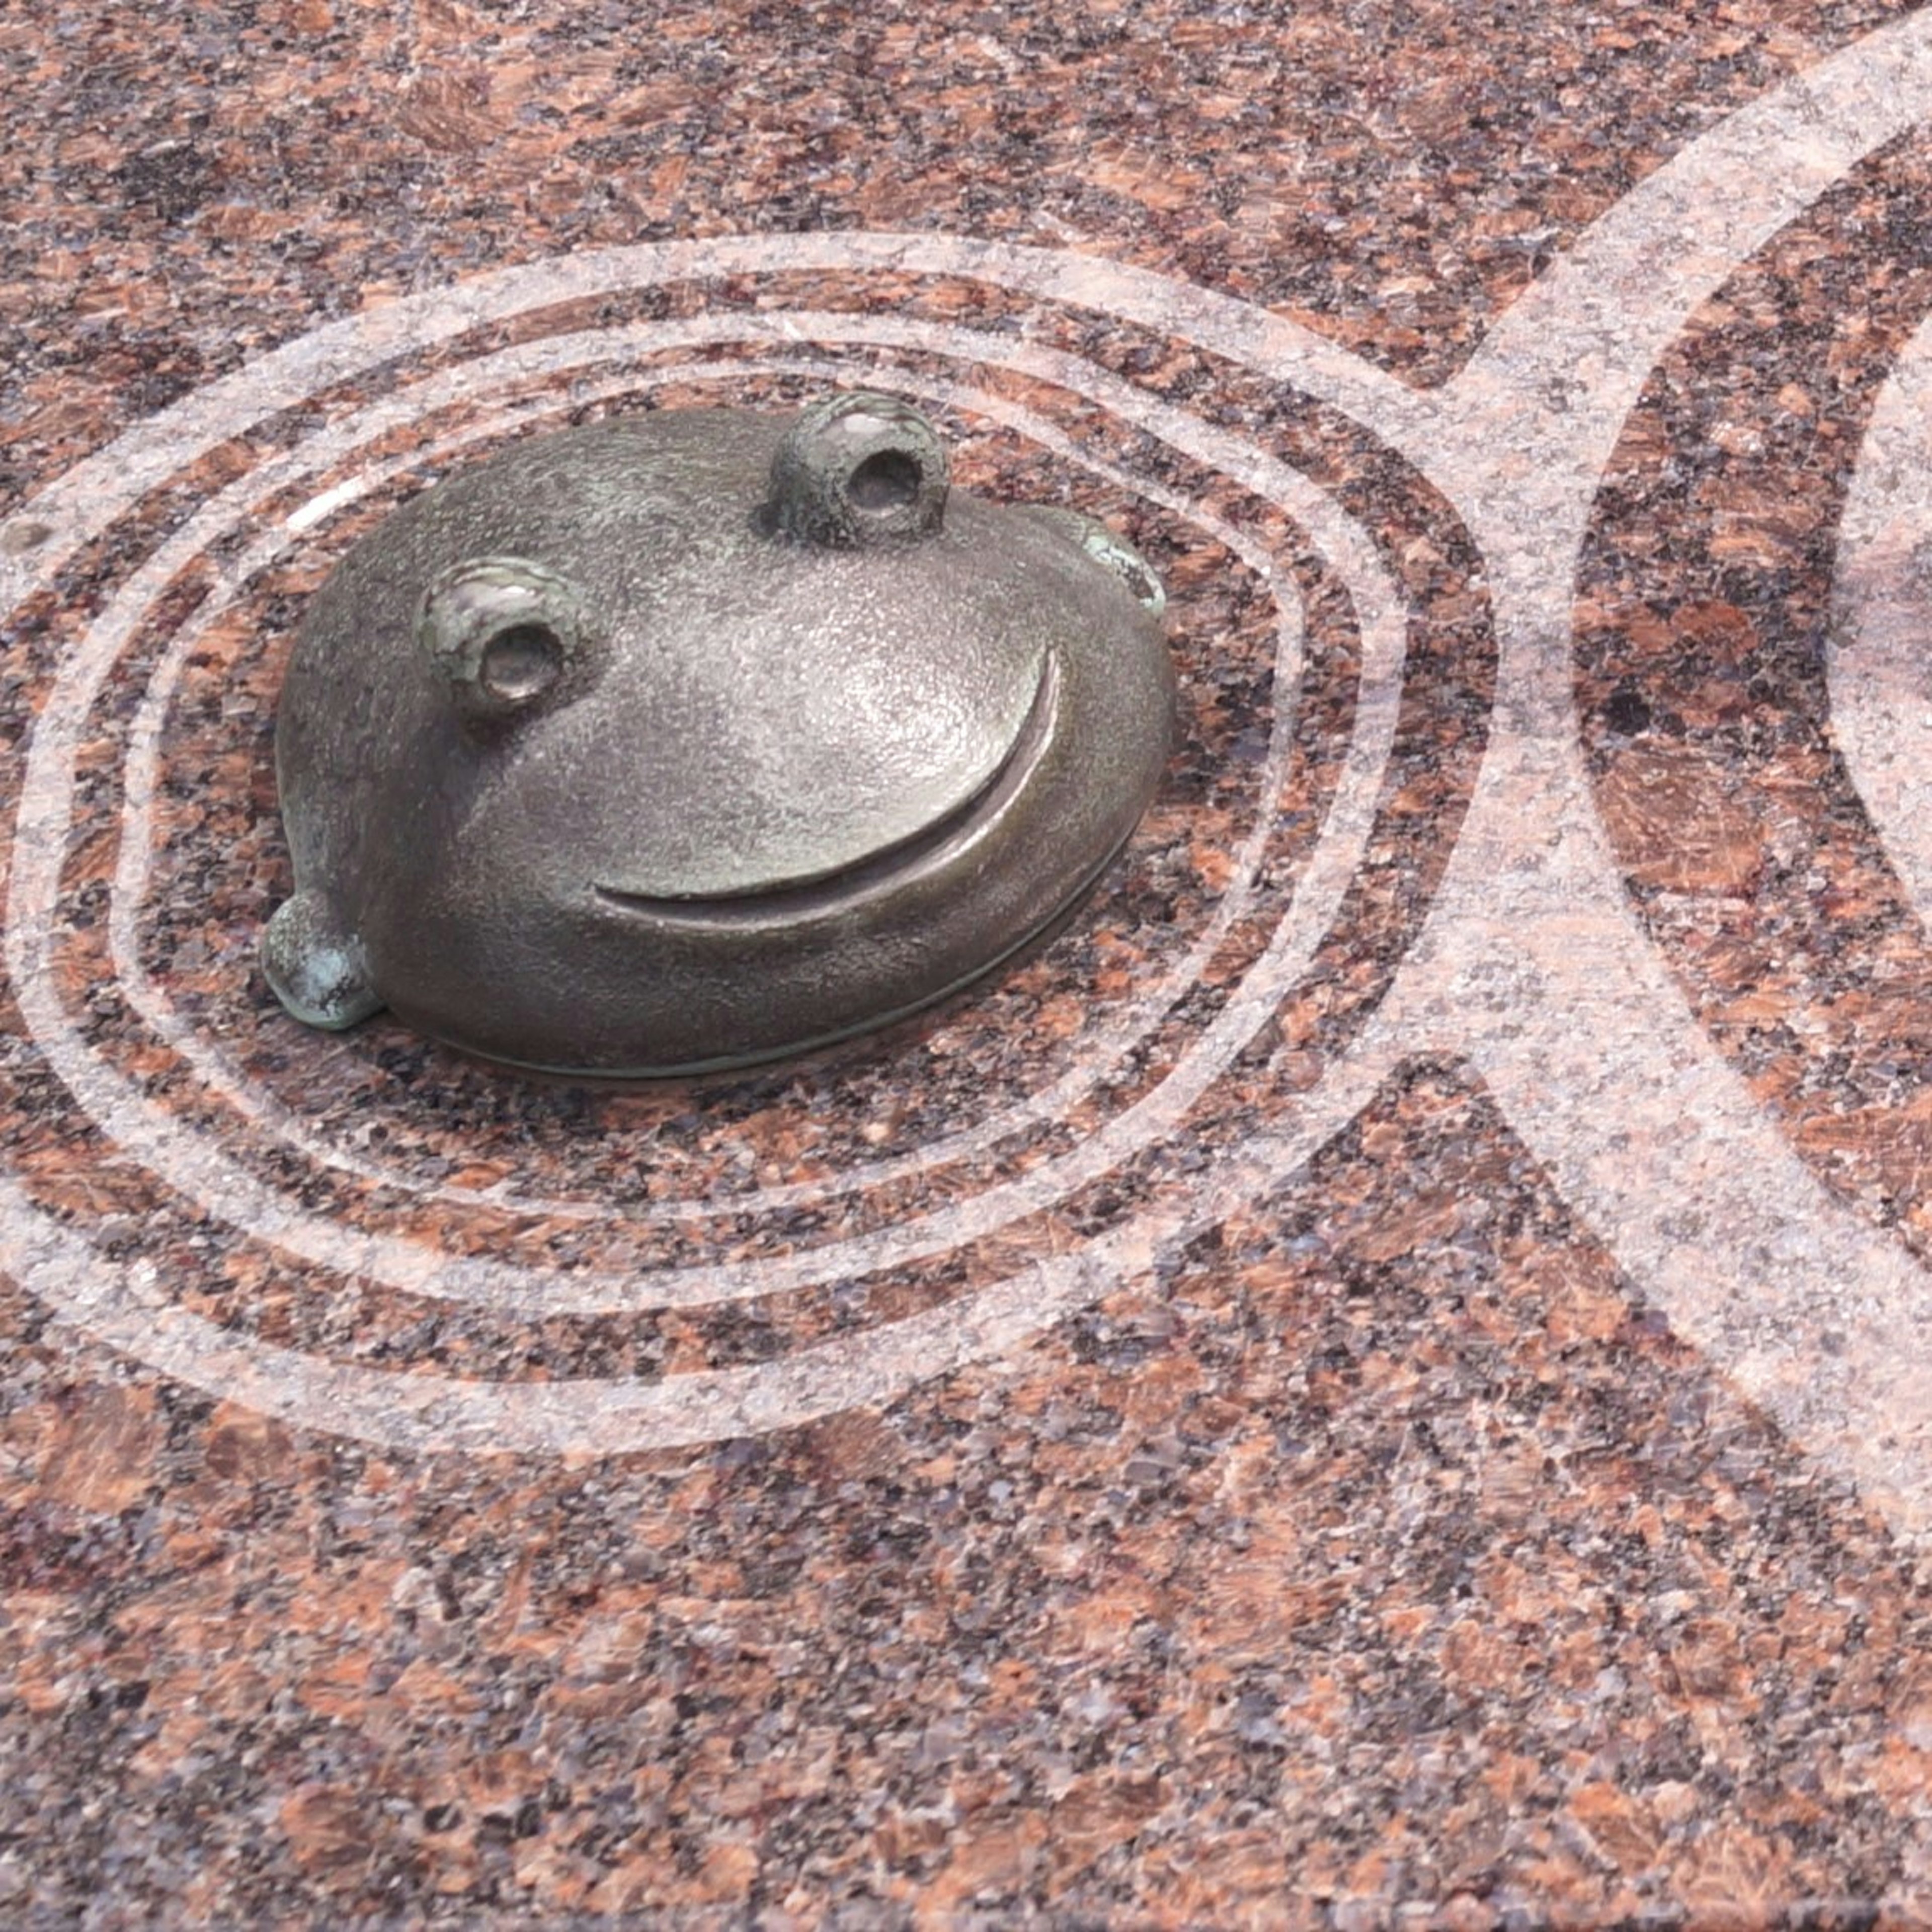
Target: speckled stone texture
<point x="1183" y="1435"/>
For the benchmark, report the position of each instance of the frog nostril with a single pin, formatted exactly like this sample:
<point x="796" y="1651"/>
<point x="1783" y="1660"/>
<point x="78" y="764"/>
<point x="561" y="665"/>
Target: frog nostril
<point x="520" y="662"/>
<point x="889" y="480"/>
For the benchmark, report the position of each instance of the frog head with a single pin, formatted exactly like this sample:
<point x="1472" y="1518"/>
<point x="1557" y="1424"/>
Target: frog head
<point x="693" y="738"/>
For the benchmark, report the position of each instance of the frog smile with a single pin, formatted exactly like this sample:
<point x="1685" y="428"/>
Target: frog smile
<point x="881" y="873"/>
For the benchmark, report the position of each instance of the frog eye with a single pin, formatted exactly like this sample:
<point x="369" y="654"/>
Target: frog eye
<point x="505" y="632"/>
<point x="857" y="469"/>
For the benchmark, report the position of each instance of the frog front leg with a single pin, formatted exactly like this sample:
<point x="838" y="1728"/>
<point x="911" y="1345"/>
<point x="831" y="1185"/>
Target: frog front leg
<point x="1109" y="550"/>
<point x="316" y="966"/>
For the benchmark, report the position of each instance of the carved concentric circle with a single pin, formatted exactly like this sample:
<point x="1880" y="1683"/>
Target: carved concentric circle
<point x="386" y="1253"/>
<point x="1737" y="752"/>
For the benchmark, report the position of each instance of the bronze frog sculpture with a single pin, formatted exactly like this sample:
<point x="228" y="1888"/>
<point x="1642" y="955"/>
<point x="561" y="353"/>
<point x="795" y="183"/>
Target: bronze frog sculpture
<point x="692" y="738"/>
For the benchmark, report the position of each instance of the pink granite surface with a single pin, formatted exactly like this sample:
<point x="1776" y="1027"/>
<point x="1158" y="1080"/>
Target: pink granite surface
<point x="1372" y="1379"/>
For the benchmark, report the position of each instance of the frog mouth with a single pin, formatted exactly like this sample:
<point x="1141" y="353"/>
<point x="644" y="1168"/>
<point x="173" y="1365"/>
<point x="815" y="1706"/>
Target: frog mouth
<point x="880" y="873"/>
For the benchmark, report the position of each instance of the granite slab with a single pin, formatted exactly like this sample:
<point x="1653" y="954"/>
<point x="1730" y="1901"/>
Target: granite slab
<point x="1375" y="1377"/>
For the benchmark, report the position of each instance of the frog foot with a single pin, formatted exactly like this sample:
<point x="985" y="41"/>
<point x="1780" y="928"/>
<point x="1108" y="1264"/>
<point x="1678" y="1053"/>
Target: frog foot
<point x="1112" y="552"/>
<point x="317" y="969"/>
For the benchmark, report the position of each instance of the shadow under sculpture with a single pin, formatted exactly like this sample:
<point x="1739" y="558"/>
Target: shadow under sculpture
<point x="691" y="739"/>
